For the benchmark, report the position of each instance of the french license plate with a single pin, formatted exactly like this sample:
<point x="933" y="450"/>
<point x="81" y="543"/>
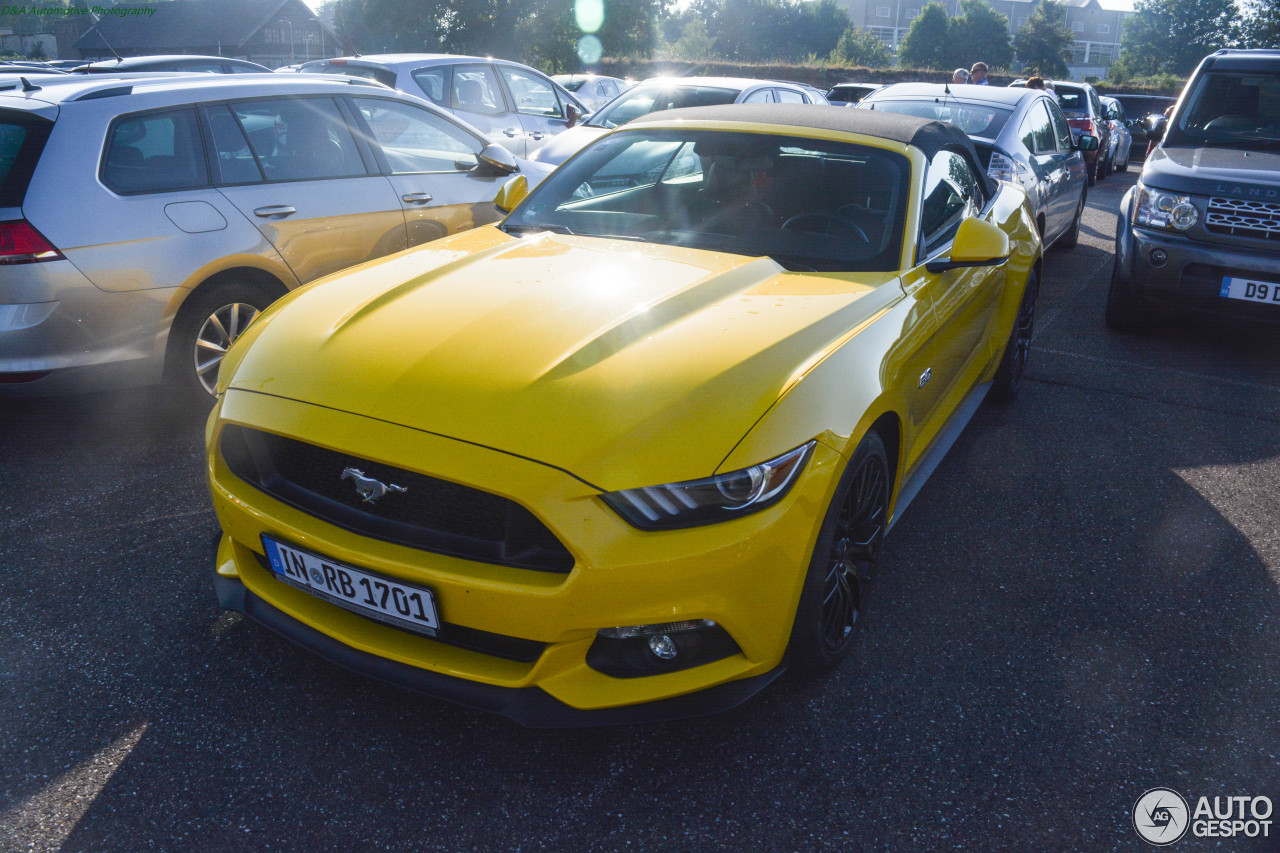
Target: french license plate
<point x="1250" y="290"/>
<point x="399" y="604"/>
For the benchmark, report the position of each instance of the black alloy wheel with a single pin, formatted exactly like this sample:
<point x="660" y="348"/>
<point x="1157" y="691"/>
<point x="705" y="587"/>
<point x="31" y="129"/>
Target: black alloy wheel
<point x="1008" y="379"/>
<point x="834" y="599"/>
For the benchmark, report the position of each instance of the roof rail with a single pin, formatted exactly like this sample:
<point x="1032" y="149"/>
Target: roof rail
<point x="103" y="93"/>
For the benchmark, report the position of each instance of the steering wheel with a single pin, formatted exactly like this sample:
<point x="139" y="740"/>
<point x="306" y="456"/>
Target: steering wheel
<point x="806" y="221"/>
<point x="1231" y="122"/>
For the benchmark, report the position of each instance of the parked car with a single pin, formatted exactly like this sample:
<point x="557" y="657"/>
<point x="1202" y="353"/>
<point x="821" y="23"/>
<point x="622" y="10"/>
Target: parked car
<point x="1083" y="109"/>
<point x="669" y="93"/>
<point x="816" y="95"/>
<point x="511" y="103"/>
<point x="1121" y="138"/>
<point x="594" y="90"/>
<point x="1021" y="136"/>
<point x="1200" y="230"/>
<point x="631" y="454"/>
<point x="849" y="94"/>
<point x="200" y="199"/>
<point x="1137" y="109"/>
<point x="177" y="62"/>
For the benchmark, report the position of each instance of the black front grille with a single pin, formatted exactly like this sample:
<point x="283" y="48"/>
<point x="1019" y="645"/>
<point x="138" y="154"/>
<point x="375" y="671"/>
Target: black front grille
<point x="431" y="514"/>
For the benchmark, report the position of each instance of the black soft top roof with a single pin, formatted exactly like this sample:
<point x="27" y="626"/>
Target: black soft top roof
<point x="926" y="134"/>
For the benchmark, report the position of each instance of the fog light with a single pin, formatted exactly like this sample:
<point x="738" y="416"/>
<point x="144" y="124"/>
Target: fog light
<point x="663" y="646"/>
<point x="633" y="651"/>
<point x="1158" y="257"/>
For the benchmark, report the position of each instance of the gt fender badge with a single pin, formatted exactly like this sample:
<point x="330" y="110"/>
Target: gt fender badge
<point x="924" y="377"/>
<point x="368" y="488"/>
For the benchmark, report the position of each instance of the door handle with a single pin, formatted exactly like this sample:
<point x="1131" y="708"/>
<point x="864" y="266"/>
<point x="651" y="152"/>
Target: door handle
<point x="274" y="211"/>
<point x="416" y="198"/>
<point x="537" y="134"/>
<point x="512" y="132"/>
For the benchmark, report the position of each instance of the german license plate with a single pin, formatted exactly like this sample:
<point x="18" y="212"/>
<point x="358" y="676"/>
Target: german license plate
<point x="380" y="598"/>
<point x="1250" y="290"/>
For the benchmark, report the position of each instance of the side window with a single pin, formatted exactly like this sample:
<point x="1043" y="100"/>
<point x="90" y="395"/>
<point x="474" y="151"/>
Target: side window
<point x="155" y="152"/>
<point x="534" y="96"/>
<point x="432" y="83"/>
<point x="786" y="96"/>
<point x="417" y="140"/>
<point x="1027" y="131"/>
<point x="1042" y="126"/>
<point x="475" y="89"/>
<point x="300" y="139"/>
<point x="1061" y="129"/>
<point x="235" y="161"/>
<point x="760" y="96"/>
<point x="950" y="195"/>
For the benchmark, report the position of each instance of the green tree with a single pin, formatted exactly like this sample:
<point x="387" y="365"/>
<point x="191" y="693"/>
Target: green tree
<point x="1044" y="44"/>
<point x="1172" y="36"/>
<point x="859" y="47"/>
<point x="694" y="43"/>
<point x="1261" y="26"/>
<point x="925" y="45"/>
<point x="978" y="33"/>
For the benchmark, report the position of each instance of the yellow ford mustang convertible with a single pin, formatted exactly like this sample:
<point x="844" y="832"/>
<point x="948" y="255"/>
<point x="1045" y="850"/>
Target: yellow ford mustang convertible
<point x="631" y="453"/>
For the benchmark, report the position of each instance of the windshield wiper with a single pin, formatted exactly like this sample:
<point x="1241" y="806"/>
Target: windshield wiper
<point x="526" y="229"/>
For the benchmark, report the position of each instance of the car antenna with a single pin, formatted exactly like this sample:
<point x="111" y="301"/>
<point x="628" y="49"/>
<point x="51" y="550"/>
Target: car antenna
<point x="28" y="86"/>
<point x="97" y="25"/>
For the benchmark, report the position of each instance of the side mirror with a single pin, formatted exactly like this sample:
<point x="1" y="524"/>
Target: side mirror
<point x="1156" y="125"/>
<point x="511" y="194"/>
<point x="978" y="243"/>
<point x="572" y="115"/>
<point x="498" y="159"/>
<point x="1087" y="142"/>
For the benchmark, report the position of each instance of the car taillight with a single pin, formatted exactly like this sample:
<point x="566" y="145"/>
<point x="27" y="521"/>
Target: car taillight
<point x="1003" y="167"/>
<point x="1083" y="124"/>
<point x="22" y="244"/>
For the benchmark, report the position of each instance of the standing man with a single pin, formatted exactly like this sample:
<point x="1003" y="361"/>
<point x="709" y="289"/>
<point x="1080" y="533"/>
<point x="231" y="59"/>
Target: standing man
<point x="978" y="74"/>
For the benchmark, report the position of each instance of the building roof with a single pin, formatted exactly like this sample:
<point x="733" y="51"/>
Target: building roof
<point x="182" y="23"/>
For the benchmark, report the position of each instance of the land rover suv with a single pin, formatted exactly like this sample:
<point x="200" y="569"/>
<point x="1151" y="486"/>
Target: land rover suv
<point x="1201" y="228"/>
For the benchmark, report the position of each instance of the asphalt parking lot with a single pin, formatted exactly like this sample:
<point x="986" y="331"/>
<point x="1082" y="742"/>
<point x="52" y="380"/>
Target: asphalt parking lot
<point x="1081" y="605"/>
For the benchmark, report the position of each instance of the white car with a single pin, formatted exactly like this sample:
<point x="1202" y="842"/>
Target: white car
<point x="669" y="93"/>
<point x="512" y="104"/>
<point x="594" y="90"/>
<point x="1121" y="138"/>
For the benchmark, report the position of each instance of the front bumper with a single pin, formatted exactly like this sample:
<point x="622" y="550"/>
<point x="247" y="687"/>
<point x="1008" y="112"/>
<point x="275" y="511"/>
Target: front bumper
<point x="746" y="575"/>
<point x="1190" y="276"/>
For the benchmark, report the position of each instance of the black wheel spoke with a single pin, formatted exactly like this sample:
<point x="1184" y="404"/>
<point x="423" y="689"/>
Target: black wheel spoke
<point x="858" y="532"/>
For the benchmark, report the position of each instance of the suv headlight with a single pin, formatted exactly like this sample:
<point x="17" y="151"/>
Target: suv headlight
<point x="711" y="499"/>
<point x="1159" y="209"/>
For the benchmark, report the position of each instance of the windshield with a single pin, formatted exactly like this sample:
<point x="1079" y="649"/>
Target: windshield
<point x="809" y="204"/>
<point x="1230" y="108"/>
<point x="653" y="97"/>
<point x="981" y="120"/>
<point x="382" y="75"/>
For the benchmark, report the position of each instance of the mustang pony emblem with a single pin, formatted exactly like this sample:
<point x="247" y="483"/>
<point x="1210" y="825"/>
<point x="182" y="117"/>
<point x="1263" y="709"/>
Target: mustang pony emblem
<point x="368" y="488"/>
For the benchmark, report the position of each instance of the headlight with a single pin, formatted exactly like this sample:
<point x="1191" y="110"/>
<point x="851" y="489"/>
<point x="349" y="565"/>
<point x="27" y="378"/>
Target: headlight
<point x="1160" y="209"/>
<point x="719" y="498"/>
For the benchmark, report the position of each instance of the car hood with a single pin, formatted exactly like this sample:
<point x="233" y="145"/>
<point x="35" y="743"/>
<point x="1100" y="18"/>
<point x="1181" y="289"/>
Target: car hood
<point x="1215" y="171"/>
<point x="623" y="363"/>
<point x="564" y="145"/>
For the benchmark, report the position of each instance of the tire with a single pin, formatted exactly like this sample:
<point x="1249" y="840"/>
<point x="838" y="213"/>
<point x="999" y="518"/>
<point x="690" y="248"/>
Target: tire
<point x="832" y="605"/>
<point x="1093" y="172"/>
<point x="1008" y="379"/>
<point x="1125" y="311"/>
<point x="1124" y="167"/>
<point x="209" y="321"/>
<point x="1071" y="237"/>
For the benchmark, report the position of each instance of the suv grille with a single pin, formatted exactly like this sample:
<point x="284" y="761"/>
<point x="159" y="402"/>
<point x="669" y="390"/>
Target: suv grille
<point x="1244" y="218"/>
<point x="430" y="514"/>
